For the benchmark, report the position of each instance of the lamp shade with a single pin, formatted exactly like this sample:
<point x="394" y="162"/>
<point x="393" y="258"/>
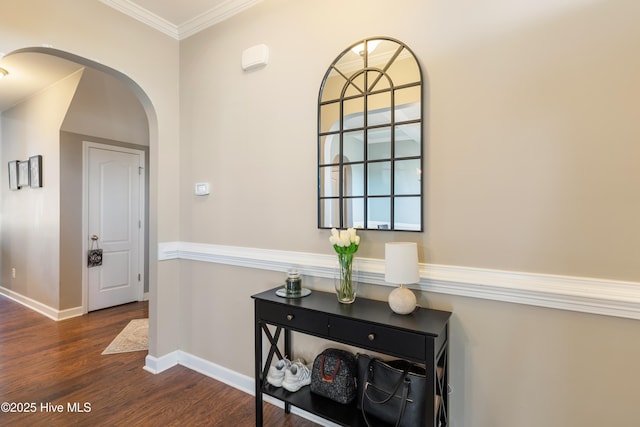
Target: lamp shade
<point x="401" y="263"/>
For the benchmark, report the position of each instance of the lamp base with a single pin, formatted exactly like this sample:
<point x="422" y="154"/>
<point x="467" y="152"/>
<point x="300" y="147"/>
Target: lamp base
<point x="402" y="300"/>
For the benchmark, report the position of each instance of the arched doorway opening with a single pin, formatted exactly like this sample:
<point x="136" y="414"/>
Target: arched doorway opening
<point x="152" y="136"/>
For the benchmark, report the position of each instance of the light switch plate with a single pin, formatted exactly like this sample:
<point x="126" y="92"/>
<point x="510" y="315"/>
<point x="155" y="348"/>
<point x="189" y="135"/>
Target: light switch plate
<point x="201" y="188"/>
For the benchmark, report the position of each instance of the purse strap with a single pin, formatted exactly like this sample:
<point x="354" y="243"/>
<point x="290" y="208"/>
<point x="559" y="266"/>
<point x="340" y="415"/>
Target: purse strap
<point x="94" y="240"/>
<point x="404" y="379"/>
<point x="329" y="377"/>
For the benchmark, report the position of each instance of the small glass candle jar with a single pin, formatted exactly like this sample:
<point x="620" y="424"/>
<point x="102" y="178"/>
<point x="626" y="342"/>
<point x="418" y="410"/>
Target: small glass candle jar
<point x="293" y="284"/>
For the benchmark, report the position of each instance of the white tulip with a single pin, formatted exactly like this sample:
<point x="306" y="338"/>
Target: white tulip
<point x="344" y="239"/>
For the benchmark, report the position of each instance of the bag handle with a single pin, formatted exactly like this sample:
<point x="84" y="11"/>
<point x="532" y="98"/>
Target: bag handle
<point x="403" y="406"/>
<point x="329" y="377"/>
<point x="404" y="379"/>
<point x="94" y="240"/>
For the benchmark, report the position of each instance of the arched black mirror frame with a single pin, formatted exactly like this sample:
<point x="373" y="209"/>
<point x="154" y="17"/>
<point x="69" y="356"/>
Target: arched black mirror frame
<point x="339" y="202"/>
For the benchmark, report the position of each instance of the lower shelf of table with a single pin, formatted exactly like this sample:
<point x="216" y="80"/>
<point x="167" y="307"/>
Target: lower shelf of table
<point x="343" y="414"/>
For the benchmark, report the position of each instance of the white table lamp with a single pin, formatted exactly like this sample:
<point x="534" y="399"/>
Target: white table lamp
<point x="401" y="268"/>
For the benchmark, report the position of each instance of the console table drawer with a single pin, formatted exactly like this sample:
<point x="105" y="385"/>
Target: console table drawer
<point x="294" y="318"/>
<point x="380" y="338"/>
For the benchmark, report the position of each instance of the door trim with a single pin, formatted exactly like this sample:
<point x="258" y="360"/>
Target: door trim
<point x="86" y="145"/>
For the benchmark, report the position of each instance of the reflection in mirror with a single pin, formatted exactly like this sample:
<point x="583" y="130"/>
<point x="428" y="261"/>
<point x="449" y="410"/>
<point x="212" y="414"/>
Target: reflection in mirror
<point x="370" y="139"/>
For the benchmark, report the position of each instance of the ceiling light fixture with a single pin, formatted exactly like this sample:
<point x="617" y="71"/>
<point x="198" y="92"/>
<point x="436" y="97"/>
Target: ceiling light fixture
<point x="371" y="46"/>
<point x="3" y="73"/>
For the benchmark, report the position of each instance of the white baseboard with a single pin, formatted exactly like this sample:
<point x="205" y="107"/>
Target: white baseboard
<point x="234" y="379"/>
<point x="587" y="295"/>
<point x="155" y="365"/>
<point x="41" y="308"/>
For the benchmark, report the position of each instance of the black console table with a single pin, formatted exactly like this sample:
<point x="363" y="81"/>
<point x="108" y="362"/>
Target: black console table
<point x="421" y="337"/>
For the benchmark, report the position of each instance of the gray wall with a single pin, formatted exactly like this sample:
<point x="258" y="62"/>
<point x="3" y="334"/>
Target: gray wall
<point x="530" y="130"/>
<point x="30" y="217"/>
<point x="530" y="153"/>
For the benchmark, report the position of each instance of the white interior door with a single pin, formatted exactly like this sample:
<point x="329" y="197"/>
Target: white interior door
<point x="114" y="194"/>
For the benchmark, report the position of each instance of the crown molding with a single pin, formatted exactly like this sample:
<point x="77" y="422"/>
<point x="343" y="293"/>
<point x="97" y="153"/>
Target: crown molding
<point x="586" y="295"/>
<point x="145" y="16"/>
<point x="214" y="16"/>
<point x="179" y="32"/>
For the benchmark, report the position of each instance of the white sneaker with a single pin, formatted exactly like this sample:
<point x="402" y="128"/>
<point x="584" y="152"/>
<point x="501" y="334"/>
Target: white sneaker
<point x="276" y="372"/>
<point x="296" y="376"/>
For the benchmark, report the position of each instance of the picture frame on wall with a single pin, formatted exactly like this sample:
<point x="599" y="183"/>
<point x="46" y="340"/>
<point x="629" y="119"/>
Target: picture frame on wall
<point x="13" y="175"/>
<point x="23" y="174"/>
<point x="35" y="171"/>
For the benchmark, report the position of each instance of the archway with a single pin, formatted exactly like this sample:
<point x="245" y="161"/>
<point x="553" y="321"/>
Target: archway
<point x="149" y="110"/>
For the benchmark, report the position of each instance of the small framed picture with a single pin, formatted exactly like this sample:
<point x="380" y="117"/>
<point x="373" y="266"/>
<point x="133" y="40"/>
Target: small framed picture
<point x="23" y="174"/>
<point x="13" y="175"/>
<point x="35" y="171"/>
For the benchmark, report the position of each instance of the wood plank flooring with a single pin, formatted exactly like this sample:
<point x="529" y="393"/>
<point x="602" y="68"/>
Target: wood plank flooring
<point x="60" y="363"/>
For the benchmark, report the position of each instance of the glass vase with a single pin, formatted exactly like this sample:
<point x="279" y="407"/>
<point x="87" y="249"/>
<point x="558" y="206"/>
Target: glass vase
<point x="346" y="279"/>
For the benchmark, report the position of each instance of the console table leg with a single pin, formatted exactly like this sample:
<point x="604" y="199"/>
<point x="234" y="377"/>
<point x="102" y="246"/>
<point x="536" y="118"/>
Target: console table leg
<point x="287" y="352"/>
<point x="258" y="371"/>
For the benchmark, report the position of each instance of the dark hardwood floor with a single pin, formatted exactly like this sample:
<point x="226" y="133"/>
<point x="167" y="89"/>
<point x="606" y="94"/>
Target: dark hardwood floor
<point x="60" y="363"/>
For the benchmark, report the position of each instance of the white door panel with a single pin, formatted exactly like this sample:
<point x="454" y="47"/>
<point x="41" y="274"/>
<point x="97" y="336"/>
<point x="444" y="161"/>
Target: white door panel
<point x="114" y="196"/>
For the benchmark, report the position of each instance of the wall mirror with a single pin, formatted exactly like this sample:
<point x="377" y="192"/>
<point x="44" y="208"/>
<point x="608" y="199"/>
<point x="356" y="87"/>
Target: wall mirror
<point x="370" y="138"/>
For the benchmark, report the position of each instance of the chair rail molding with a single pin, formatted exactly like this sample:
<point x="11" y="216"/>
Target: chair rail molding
<point x="587" y="295"/>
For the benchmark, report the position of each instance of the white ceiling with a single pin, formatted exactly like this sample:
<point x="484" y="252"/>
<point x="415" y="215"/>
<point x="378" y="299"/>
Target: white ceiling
<point x="30" y="73"/>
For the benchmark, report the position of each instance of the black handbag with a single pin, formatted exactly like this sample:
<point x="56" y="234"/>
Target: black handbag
<point x="94" y="255"/>
<point x="334" y="375"/>
<point x="392" y="392"/>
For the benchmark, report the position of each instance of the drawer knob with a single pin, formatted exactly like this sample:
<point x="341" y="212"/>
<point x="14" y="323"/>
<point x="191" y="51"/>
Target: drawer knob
<point x="371" y="337"/>
<point x="289" y="316"/>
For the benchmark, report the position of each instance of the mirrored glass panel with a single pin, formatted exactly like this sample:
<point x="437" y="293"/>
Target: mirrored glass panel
<point x="329" y="181"/>
<point x="407" y="177"/>
<point x="408" y="140"/>
<point x="353" y="147"/>
<point x="379" y="179"/>
<point x="379" y="143"/>
<point x="352" y="113"/>
<point x="330" y="117"/>
<point x="379" y="213"/>
<point x="370" y="138"/>
<point x="330" y="213"/>
<point x="329" y="149"/>
<point x="354" y="212"/>
<point x="378" y="112"/>
<point x="354" y="180"/>
<point x="407" y="108"/>
<point x="407" y="214"/>
<point x="333" y="86"/>
<point x="404" y="69"/>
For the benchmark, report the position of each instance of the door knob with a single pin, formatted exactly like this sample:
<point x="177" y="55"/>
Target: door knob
<point x="94" y="237"/>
